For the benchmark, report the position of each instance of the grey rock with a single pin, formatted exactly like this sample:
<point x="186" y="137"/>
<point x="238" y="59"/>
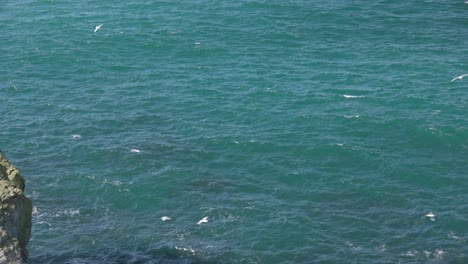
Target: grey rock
<point x="15" y="215"/>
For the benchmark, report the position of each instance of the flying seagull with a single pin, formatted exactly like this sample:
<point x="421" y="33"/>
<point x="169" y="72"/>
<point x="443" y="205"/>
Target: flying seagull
<point x="203" y="220"/>
<point x="459" y="77"/>
<point x="165" y="218"/>
<point x="98" y="27"/>
<point x="431" y="216"/>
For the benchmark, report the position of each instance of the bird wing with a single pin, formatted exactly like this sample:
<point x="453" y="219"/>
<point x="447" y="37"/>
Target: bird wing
<point x="459" y="77"/>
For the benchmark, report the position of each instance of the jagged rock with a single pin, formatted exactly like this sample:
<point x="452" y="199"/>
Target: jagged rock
<point x="15" y="215"/>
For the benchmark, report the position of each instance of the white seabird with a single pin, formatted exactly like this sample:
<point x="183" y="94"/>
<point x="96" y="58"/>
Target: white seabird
<point x="203" y="220"/>
<point x="459" y="77"/>
<point x="135" y="151"/>
<point x="165" y="218"/>
<point x="431" y="216"/>
<point x="352" y="96"/>
<point x="98" y="27"/>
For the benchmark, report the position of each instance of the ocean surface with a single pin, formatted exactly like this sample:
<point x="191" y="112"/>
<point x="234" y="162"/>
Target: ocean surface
<point x="305" y="131"/>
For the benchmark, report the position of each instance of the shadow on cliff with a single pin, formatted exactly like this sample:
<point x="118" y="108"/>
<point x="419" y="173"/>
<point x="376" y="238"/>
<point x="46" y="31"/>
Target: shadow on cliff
<point x="161" y="255"/>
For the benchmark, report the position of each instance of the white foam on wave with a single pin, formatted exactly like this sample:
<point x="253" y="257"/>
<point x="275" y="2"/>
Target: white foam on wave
<point x="437" y="254"/>
<point x="186" y="249"/>
<point x="35" y="210"/>
<point x="40" y="214"/>
<point x="382" y="248"/>
<point x="114" y="183"/>
<point x="352" y="246"/>
<point x="68" y="212"/>
<point x="43" y="223"/>
<point x="135" y="151"/>
<point x="410" y="253"/>
<point x="452" y="235"/>
<point x="117" y="183"/>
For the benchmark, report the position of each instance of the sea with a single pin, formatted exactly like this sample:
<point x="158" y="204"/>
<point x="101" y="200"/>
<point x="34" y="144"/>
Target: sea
<point x="248" y="131"/>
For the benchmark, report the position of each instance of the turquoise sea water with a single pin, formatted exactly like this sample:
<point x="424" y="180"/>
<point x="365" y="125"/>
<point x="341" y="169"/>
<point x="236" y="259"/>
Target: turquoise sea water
<point x="306" y="131"/>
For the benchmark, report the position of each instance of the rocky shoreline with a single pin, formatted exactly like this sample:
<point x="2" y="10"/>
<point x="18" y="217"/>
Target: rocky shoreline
<point x="15" y="215"/>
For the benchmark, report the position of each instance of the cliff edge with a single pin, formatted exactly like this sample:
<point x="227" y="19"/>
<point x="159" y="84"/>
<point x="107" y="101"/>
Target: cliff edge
<point x="15" y="215"/>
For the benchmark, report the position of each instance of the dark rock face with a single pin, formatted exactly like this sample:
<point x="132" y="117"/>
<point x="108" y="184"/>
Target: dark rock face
<point x="15" y="215"/>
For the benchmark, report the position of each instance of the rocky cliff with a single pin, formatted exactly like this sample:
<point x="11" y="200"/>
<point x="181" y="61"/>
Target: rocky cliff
<point x="15" y="215"/>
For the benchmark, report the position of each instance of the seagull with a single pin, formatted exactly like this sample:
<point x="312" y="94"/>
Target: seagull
<point x="203" y="220"/>
<point x="76" y="136"/>
<point x="98" y="27"/>
<point x="352" y="96"/>
<point x="431" y="216"/>
<point x="459" y="77"/>
<point x="165" y="218"/>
